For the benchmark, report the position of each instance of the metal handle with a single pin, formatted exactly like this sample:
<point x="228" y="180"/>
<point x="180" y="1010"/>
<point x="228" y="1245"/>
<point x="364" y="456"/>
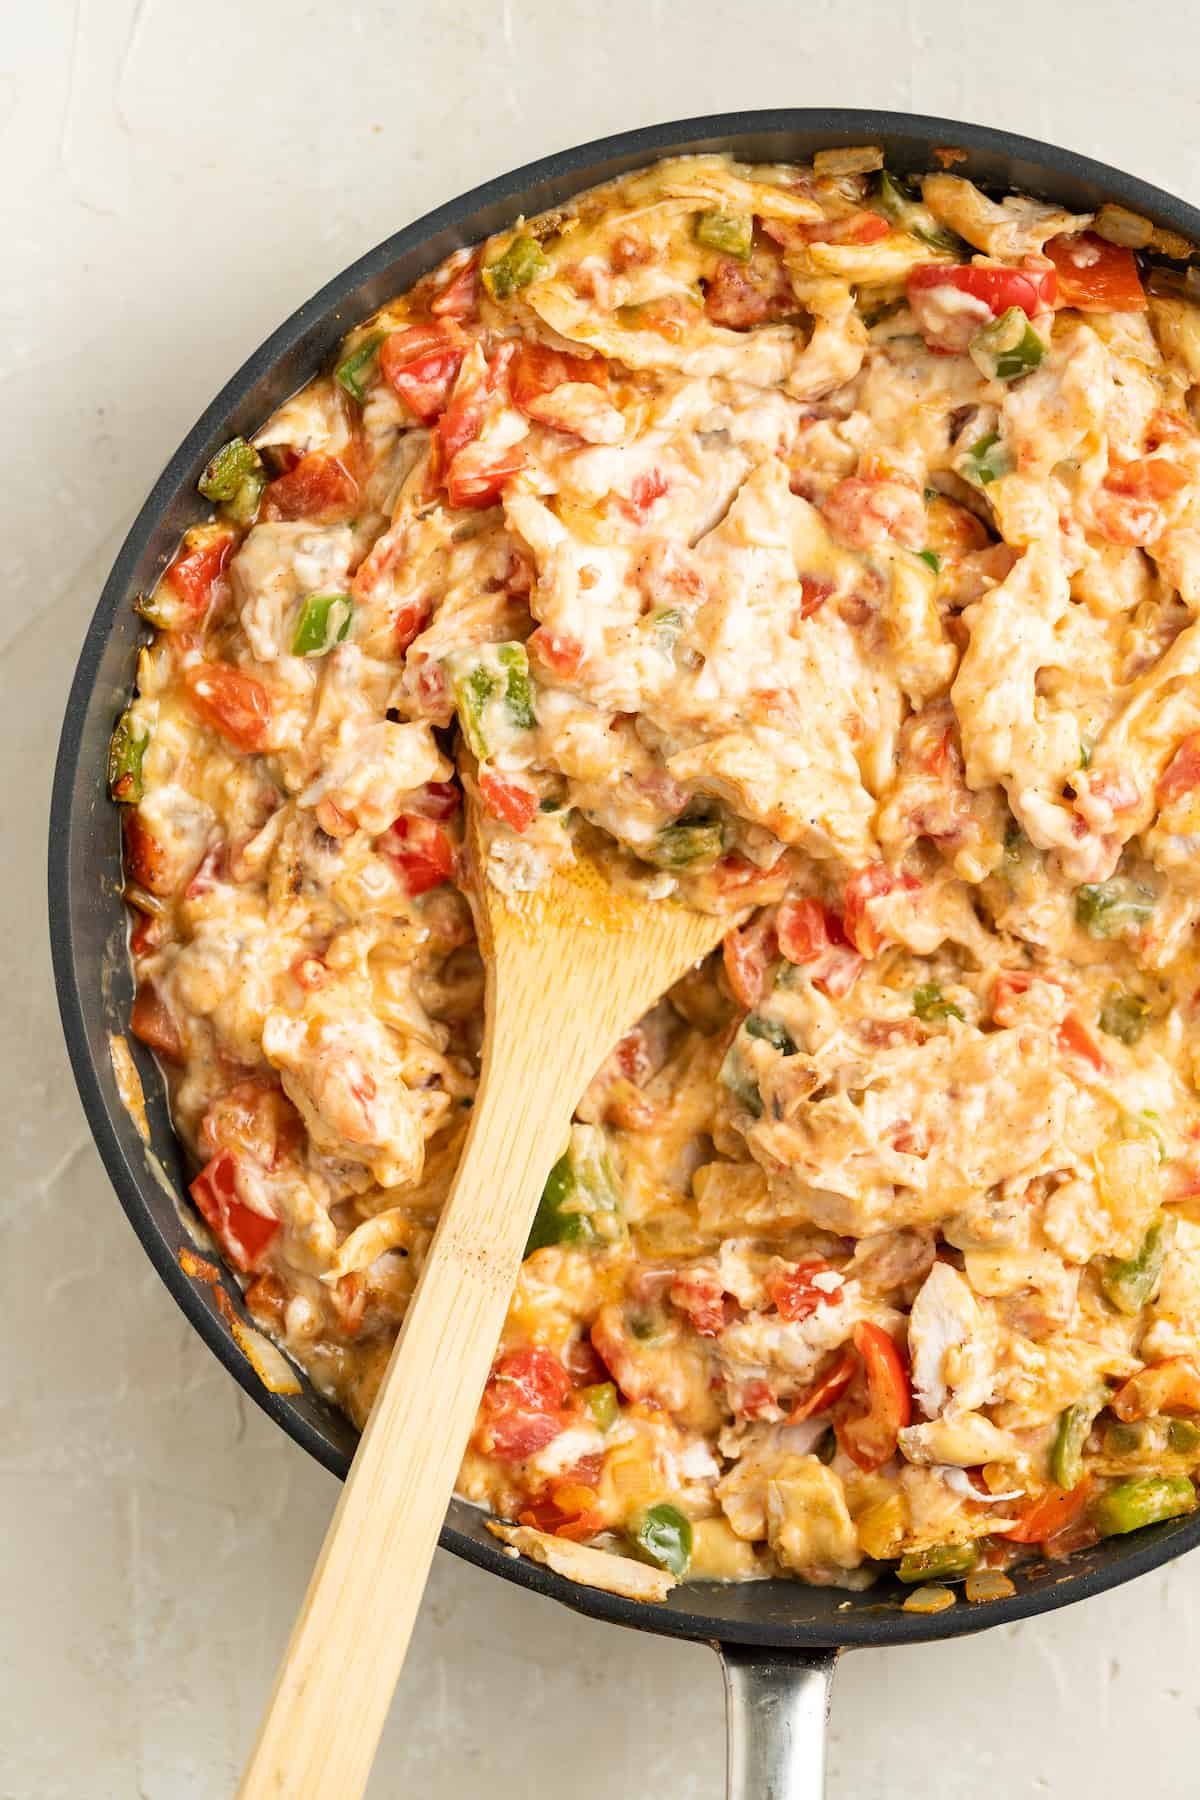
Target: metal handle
<point x="776" y="1710"/>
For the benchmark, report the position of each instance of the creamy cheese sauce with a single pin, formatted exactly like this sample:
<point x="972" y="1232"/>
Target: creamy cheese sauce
<point x="743" y="528"/>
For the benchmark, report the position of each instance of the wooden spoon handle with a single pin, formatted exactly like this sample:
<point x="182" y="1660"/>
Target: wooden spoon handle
<point x="331" y="1696"/>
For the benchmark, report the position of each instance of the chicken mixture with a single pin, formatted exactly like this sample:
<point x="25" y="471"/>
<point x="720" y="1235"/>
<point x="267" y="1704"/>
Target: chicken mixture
<point x="824" y="544"/>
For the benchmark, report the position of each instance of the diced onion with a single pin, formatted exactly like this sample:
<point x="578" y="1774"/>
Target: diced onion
<point x="856" y="160"/>
<point x="1117" y="225"/>
<point x="989" y="1584"/>
<point x="929" y="1600"/>
<point x="268" y="1363"/>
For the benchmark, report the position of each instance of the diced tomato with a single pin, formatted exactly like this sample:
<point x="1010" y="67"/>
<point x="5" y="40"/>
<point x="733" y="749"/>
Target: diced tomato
<point x="1074" y="1037"/>
<point x="569" y="1506"/>
<point x="408" y="622"/>
<point x="320" y="488"/>
<point x="830" y="1387"/>
<point x="421" y="364"/>
<point x="233" y="703"/>
<point x="1172" y="1386"/>
<point x="147" y="933"/>
<point x="735" y="871"/>
<point x="193" y="573"/>
<point x="436" y="800"/>
<point x="209" y="872"/>
<point x="648" y="487"/>
<point x="1050" y="1514"/>
<point x="1032" y="290"/>
<point x="746" y="954"/>
<point x="242" y="1233"/>
<point x="538" y="370"/>
<point x="522" y="1409"/>
<point x="793" y="1292"/>
<point x="266" y="1299"/>
<point x="813" y="595"/>
<point x="867" y="512"/>
<point x="310" y="972"/>
<point x="698" y="1292"/>
<point x="862" y="890"/>
<point x="349" y="1297"/>
<point x="853" y="228"/>
<point x="150" y="1020"/>
<point x="1148" y="478"/>
<point x="741" y="295"/>
<point x="1096" y="276"/>
<point x="459" y="299"/>
<point x="870" y="1439"/>
<point x="556" y="650"/>
<point x="146" y="862"/>
<point x="508" y="800"/>
<point x="420" y="852"/>
<point x="255" y="1119"/>
<point x="753" y="1399"/>
<point x="482" y="484"/>
<point x="812" y="936"/>
<point x="1182" y="773"/>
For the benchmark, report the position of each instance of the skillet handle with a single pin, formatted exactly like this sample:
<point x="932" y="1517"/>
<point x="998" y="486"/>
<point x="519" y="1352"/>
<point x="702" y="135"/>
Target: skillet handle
<point x="776" y="1711"/>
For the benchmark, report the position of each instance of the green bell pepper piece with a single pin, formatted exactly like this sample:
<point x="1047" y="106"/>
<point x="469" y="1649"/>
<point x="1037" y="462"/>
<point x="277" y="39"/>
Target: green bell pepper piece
<point x="666" y="623"/>
<point x="932" y="559"/>
<point x="235" y="479"/>
<point x="985" y="461"/>
<point x="740" y="1082"/>
<point x="896" y="201"/>
<point x="1108" y="909"/>
<point x="1129" y="1283"/>
<point x="1144" y="1500"/>
<point x="730" y="233"/>
<point x="678" y="846"/>
<point x="1124" y="1016"/>
<point x="126" y="748"/>
<point x="1007" y="348"/>
<point x="324" y="621"/>
<point x="351" y="370"/>
<point x="1148" y="1440"/>
<point x="1183" y="1438"/>
<point x="929" y="1005"/>
<point x="942" y="1562"/>
<point x="500" y="671"/>
<point x="771" y="1032"/>
<point x="580" y="1201"/>
<point x="664" y="1536"/>
<point x="601" y="1401"/>
<point x="520" y="264"/>
<point x="1074" y="1428"/>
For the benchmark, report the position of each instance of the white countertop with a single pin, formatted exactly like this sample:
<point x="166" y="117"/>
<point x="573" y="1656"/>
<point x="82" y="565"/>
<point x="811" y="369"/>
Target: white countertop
<point x="175" y="180"/>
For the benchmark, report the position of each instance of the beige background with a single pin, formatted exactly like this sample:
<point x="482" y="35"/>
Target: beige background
<point x="174" y="180"/>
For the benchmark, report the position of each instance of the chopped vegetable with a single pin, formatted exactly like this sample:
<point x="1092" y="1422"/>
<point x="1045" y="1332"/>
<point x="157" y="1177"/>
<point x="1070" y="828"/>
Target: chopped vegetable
<point x="929" y="1600"/>
<point x="664" y="1536"/>
<point x="1143" y="1500"/>
<point x="931" y="558"/>
<point x="509" y="801"/>
<point x="731" y="233"/>
<point x="678" y="846"/>
<point x="1124" y="1015"/>
<point x="580" y="1201"/>
<point x="897" y="202"/>
<point x="998" y="287"/>
<point x="666" y="624"/>
<point x="1169" y="1386"/>
<point x="870" y="1439"/>
<point x="126" y="749"/>
<point x="1051" y="1513"/>
<point x="243" y="1233"/>
<point x="324" y="621"/>
<point x="985" y="461"/>
<point x="988" y="1584"/>
<point x="942" y="1562"/>
<point x="520" y="264"/>
<point x="235" y="479"/>
<point x="1146" y="1440"/>
<point x="233" y="703"/>
<point x="493" y="694"/>
<point x="1107" y="909"/>
<point x="1007" y="348"/>
<point x="1129" y="1284"/>
<point x="1074" y="1428"/>
<point x="1095" y="276"/>
<point x="929" y="1005"/>
<point x="601" y="1402"/>
<point x="522" y="1409"/>
<point x="350" y="372"/>
<point x="771" y="1032"/>
<point x="740" y="1081"/>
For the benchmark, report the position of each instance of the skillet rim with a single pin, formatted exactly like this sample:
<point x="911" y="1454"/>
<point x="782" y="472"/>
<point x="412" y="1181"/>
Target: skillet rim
<point x="868" y="1621"/>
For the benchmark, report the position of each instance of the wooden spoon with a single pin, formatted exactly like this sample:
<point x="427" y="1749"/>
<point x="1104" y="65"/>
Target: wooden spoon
<point x="569" y="970"/>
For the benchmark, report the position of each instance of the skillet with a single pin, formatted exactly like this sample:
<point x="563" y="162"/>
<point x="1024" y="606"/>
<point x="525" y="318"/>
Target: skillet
<point x="778" y="1640"/>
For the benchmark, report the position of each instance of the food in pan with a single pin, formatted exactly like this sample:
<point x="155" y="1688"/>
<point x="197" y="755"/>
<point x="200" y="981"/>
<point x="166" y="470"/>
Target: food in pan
<point x="812" y="543"/>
